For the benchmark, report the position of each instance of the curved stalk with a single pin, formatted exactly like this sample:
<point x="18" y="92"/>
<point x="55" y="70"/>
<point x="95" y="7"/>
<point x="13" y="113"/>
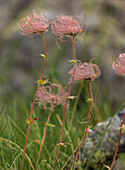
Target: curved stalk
<point x="44" y="135"/>
<point x="118" y="142"/>
<point x="64" y="114"/>
<point x="90" y="86"/>
<point x="32" y="108"/>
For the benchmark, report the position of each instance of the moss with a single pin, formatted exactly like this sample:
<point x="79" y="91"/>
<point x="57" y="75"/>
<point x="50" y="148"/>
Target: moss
<point x="109" y="140"/>
<point x="100" y="156"/>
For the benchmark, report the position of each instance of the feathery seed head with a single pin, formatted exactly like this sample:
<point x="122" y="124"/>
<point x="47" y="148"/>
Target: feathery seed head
<point x="87" y="71"/>
<point x="51" y="95"/>
<point x="34" y="24"/>
<point x="119" y="64"/>
<point x="67" y="26"/>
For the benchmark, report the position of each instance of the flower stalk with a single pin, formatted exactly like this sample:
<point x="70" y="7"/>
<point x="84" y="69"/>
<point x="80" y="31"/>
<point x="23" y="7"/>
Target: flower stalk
<point x="48" y="97"/>
<point x="34" y="99"/>
<point x="44" y="135"/>
<point x="119" y="68"/>
<point x="86" y="130"/>
<point x="120" y="132"/>
<point x="64" y="114"/>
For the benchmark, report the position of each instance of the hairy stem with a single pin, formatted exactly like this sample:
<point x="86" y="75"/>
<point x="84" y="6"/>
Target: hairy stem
<point x="86" y="130"/>
<point x="32" y="108"/>
<point x="44" y="135"/>
<point x="64" y="114"/>
<point x="117" y="143"/>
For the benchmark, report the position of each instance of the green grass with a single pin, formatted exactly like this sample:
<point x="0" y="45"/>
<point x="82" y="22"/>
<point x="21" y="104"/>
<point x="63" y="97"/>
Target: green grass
<point x="13" y="130"/>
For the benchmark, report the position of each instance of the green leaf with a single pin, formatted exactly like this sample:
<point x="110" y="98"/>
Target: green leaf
<point x="122" y="129"/>
<point x="61" y="144"/>
<point x="49" y="124"/>
<point x="41" y="82"/>
<point x="73" y="61"/>
<point x="72" y="97"/>
<point x="28" y="121"/>
<point x="42" y="55"/>
<point x="89" y="100"/>
<point x="38" y="142"/>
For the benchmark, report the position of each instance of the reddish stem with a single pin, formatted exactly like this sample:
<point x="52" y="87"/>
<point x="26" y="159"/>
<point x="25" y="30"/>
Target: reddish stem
<point x="64" y="114"/>
<point x="90" y="86"/>
<point x="32" y="108"/>
<point x="44" y="135"/>
<point x="74" y="51"/>
<point x="118" y="142"/>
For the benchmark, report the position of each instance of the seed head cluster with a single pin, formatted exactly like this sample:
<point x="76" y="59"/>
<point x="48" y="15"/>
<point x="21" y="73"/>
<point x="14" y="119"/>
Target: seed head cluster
<point x="119" y="64"/>
<point x="67" y="25"/>
<point x="88" y="71"/>
<point x="34" y="24"/>
<point x="51" y="95"/>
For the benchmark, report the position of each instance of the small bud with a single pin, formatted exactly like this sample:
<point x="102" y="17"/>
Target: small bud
<point x="35" y="118"/>
<point x="73" y="61"/>
<point x="89" y="130"/>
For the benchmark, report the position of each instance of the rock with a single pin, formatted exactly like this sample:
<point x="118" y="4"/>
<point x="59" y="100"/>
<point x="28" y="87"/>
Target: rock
<point x="101" y="143"/>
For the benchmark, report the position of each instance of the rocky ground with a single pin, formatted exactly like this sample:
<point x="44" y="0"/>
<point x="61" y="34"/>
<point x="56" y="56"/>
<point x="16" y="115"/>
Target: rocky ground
<point x="100" y="145"/>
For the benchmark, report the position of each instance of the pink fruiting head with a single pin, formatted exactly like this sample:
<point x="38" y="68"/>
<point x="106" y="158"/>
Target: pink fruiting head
<point x="51" y="95"/>
<point x="87" y="71"/>
<point x="34" y="24"/>
<point x="119" y="64"/>
<point x="67" y="26"/>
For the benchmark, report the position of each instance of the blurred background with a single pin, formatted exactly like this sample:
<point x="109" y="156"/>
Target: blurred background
<point x="21" y="64"/>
